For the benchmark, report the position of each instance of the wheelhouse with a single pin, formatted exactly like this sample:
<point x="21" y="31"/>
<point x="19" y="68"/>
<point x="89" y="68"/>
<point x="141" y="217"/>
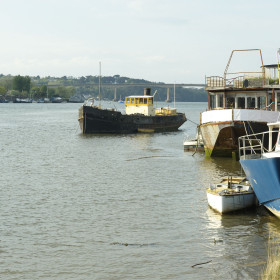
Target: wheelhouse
<point x="140" y="105"/>
<point x="139" y="100"/>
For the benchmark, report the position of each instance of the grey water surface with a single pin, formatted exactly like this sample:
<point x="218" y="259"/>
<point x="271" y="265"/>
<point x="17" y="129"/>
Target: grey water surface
<point x="116" y="206"/>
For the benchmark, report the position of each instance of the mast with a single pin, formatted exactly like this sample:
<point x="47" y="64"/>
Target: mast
<point x="99" y="92"/>
<point x="278" y="66"/>
<point x="174" y="93"/>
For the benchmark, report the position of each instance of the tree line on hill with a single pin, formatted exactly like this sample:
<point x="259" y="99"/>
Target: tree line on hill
<point x="36" y="87"/>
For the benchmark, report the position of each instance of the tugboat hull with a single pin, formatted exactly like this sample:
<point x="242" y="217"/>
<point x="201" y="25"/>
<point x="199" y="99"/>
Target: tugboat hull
<point x="94" y="120"/>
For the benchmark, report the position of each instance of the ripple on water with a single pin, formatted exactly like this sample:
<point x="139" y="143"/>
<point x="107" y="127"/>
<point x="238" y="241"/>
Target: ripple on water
<point x="115" y="207"/>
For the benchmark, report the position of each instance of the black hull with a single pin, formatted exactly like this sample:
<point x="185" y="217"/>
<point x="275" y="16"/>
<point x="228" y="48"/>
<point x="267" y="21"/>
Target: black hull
<point x="94" y="120"/>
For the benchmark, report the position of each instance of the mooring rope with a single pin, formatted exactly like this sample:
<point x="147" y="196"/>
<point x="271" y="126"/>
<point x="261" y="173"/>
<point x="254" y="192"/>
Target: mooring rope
<point x="192" y="122"/>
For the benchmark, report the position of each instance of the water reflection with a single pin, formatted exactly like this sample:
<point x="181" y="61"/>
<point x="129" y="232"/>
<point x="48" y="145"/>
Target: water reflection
<point x="273" y="226"/>
<point x="236" y="219"/>
<point x="221" y="167"/>
<point x="240" y="237"/>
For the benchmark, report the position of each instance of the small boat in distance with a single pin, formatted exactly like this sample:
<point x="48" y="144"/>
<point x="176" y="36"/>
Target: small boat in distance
<point x="140" y="116"/>
<point x="262" y="166"/>
<point x="231" y="194"/>
<point x="23" y="100"/>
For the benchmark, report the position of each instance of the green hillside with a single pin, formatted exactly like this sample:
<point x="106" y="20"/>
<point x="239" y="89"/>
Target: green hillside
<point x="65" y="87"/>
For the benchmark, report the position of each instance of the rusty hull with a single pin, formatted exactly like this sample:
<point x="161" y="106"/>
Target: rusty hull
<point x="221" y="139"/>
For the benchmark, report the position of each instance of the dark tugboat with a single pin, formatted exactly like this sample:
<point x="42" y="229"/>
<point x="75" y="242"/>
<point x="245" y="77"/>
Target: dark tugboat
<point x="141" y="116"/>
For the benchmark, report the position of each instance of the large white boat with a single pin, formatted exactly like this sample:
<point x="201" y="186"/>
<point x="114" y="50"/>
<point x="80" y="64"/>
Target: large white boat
<point x="262" y="166"/>
<point x="238" y="104"/>
<point x="231" y="194"/>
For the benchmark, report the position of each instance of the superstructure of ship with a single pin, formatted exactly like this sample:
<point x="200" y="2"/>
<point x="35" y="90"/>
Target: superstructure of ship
<point x="238" y="104"/>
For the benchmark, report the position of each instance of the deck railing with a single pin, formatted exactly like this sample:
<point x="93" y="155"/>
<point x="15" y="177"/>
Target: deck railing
<point x="243" y="81"/>
<point x="254" y="145"/>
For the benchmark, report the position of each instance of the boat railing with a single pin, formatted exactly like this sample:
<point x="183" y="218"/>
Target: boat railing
<point x="89" y="102"/>
<point x="254" y="145"/>
<point x="214" y="82"/>
<point x="165" y="111"/>
<point x="238" y="82"/>
<point x="220" y="82"/>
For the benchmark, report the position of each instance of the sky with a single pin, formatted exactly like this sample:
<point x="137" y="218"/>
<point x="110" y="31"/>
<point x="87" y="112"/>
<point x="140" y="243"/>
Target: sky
<point x="170" y="41"/>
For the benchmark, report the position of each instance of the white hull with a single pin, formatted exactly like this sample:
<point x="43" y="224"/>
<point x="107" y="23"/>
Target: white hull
<point x="230" y="203"/>
<point x="193" y="145"/>
<point x="231" y="194"/>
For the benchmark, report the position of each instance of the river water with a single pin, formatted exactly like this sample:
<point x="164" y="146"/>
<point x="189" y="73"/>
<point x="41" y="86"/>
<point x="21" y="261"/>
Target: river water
<point x="116" y="207"/>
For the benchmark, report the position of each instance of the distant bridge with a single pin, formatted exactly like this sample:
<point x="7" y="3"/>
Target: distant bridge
<point x="135" y="85"/>
<point x="153" y="85"/>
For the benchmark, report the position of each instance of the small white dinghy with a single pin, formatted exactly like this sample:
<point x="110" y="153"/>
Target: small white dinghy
<point x="231" y="194"/>
<point x="194" y="144"/>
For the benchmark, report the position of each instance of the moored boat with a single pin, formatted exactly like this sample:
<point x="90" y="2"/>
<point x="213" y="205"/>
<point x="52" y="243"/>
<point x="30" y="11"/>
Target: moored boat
<point x="231" y="194"/>
<point x="195" y="144"/>
<point x="238" y="104"/>
<point x="262" y="166"/>
<point x="140" y="116"/>
<point x="23" y="100"/>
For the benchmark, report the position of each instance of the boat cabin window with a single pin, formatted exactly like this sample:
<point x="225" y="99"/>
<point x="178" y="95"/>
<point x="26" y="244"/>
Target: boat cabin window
<point x="230" y="102"/>
<point x="251" y="102"/>
<point x="221" y="101"/>
<point x="139" y="100"/>
<point x="278" y="102"/>
<point x="212" y="101"/>
<point x="269" y="101"/>
<point x="261" y="102"/>
<point x="241" y="102"/>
